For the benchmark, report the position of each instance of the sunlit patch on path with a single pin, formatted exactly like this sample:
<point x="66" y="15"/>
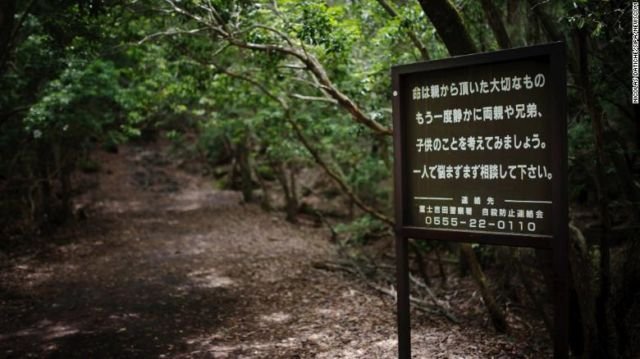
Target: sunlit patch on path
<point x="210" y="279"/>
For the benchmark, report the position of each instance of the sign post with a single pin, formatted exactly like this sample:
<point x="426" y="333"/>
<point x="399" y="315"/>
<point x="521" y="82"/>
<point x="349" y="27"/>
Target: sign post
<point x="480" y="156"/>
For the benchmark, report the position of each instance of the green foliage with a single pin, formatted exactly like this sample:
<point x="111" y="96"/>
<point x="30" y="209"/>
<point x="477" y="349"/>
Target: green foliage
<point x="319" y="26"/>
<point x="580" y="139"/>
<point x="72" y="81"/>
<point x="88" y="165"/>
<point x="266" y="172"/>
<point x="74" y="105"/>
<point x="360" y="230"/>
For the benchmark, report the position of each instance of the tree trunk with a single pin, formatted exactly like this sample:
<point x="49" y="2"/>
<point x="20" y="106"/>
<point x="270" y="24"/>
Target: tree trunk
<point x="456" y="38"/>
<point x="532" y="28"/>
<point x="495" y="313"/>
<point x="582" y="277"/>
<point x="265" y="203"/>
<point x="628" y="300"/>
<point x="515" y="19"/>
<point x="607" y="348"/>
<point x="441" y="270"/>
<point x="420" y="262"/>
<point x="246" y="183"/>
<point x="293" y="205"/>
<point x="449" y="25"/>
<point x="494" y="18"/>
<point x="622" y="169"/>
<point x="290" y="202"/>
<point x="7" y="19"/>
<point x="64" y="169"/>
<point x="43" y="205"/>
<point x="538" y="302"/>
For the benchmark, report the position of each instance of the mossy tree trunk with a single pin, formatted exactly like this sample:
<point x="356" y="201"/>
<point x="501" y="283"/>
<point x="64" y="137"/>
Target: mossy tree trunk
<point x="286" y="178"/>
<point x="244" y="164"/>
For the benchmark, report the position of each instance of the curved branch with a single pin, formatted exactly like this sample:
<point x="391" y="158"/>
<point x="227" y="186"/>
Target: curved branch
<point x="217" y="29"/>
<point x="255" y="83"/>
<point x="313" y="98"/>
<point x="281" y="34"/>
<point x="312" y="64"/>
<point x="346" y="189"/>
<point x="170" y="32"/>
<point x="337" y="177"/>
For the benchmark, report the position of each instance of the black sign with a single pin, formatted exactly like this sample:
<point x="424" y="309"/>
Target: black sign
<point x="480" y="156"/>
<point x="479" y="144"/>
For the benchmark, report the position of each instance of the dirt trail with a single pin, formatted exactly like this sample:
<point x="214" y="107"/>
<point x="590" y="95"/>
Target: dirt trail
<point x="167" y="267"/>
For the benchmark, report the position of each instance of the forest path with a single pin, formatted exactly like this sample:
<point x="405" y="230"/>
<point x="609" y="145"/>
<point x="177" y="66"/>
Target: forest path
<point x="167" y="267"/>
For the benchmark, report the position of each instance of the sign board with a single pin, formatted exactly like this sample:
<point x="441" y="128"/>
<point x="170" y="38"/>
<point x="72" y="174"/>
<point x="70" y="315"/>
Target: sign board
<point x="480" y="144"/>
<point x="480" y="156"/>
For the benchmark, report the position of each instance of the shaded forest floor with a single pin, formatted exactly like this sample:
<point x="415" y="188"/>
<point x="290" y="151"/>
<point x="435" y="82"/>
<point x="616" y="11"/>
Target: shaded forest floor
<point x="166" y="266"/>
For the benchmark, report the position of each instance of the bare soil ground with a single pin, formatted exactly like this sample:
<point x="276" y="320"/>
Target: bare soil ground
<point x="165" y="266"/>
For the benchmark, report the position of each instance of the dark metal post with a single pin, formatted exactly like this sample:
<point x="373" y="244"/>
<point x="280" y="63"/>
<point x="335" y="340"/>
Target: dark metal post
<point x="402" y="278"/>
<point x="560" y="241"/>
<point x="561" y="305"/>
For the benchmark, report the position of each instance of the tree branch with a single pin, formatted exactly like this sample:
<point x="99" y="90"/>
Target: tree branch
<point x="412" y="35"/>
<point x="320" y="74"/>
<point x="314" y="153"/>
<point x="336" y="177"/>
<point x="170" y="32"/>
<point x="312" y="64"/>
<point x="313" y="98"/>
<point x="255" y="83"/>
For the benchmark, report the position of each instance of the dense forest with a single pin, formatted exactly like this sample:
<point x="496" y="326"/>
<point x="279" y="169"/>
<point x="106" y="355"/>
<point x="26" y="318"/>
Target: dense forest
<point x="263" y="92"/>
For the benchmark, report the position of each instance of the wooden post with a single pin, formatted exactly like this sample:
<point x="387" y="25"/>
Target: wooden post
<point x="560" y="212"/>
<point x="402" y="278"/>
